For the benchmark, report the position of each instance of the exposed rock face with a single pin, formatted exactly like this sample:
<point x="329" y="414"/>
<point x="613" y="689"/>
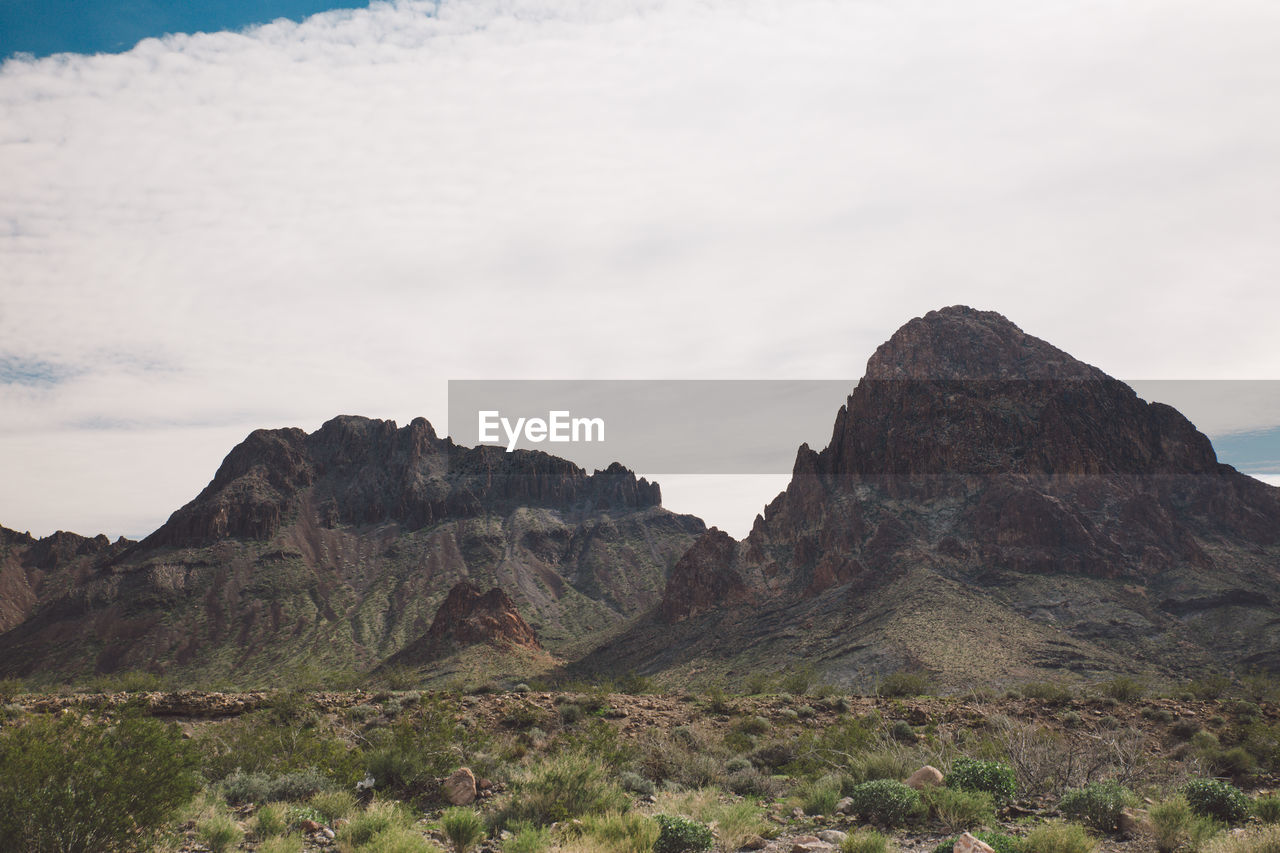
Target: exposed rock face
<point x="704" y="578"/>
<point x="468" y="617"/>
<point x="35" y="570"/>
<point x="460" y="787"/>
<point x="987" y="502"/>
<point x="361" y="471"/>
<point x="336" y="549"/>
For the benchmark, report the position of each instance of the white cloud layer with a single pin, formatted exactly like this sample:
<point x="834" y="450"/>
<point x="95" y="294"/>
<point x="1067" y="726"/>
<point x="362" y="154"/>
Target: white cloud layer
<point x="218" y="232"/>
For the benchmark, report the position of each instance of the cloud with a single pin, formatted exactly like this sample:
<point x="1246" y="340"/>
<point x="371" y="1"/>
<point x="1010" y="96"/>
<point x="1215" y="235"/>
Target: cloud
<point x="217" y="232"/>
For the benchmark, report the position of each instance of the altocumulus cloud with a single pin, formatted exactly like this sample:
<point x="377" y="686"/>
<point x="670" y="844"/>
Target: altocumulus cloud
<point x="216" y="232"/>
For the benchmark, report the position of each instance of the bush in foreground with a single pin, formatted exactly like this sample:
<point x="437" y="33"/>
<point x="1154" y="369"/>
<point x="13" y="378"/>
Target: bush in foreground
<point x="1216" y="799"/>
<point x="886" y="802"/>
<point x="1264" y="839"/>
<point x="999" y="842"/>
<point x="463" y="827"/>
<point x="1098" y="804"/>
<point x="70" y="785"/>
<point x="957" y="810"/>
<point x="1059" y="837"/>
<point x="564" y="787"/>
<point x="994" y="778"/>
<point x="1175" y="825"/>
<point x="681" y="835"/>
<point x="866" y="841"/>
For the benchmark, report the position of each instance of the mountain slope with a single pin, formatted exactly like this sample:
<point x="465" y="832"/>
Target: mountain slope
<point x="334" y="550"/>
<point x="988" y="506"/>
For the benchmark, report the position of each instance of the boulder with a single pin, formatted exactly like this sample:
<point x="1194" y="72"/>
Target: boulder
<point x="460" y="788"/>
<point x="926" y="777"/>
<point x="966" y="843"/>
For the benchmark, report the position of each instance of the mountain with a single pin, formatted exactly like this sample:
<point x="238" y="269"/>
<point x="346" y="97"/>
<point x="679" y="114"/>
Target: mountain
<point x="988" y="508"/>
<point x="333" y="550"/>
<point x="33" y="570"/>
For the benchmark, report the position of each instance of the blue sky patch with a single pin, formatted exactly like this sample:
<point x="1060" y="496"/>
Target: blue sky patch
<point x="16" y="370"/>
<point x="44" y="27"/>
<point x="1256" y="452"/>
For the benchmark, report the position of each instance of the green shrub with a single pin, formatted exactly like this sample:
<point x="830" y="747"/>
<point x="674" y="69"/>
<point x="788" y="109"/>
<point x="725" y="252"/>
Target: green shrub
<point x="901" y="731"/>
<point x="271" y="820"/>
<point x="886" y="802"/>
<point x="880" y="764"/>
<point x="219" y="832"/>
<point x="527" y="838"/>
<point x="68" y="785"/>
<point x="635" y="783"/>
<point x="462" y="827"/>
<point x="280" y="844"/>
<point x="1098" y="804"/>
<point x="1158" y="715"/>
<point x="754" y="725"/>
<point x="240" y="788"/>
<point x="897" y="684"/>
<point x="397" y="839"/>
<point x="616" y="832"/>
<point x="1216" y="799"/>
<point x="1047" y="691"/>
<point x="333" y="805"/>
<point x="681" y="835"/>
<point x="1123" y="688"/>
<point x="994" y="778"/>
<point x="822" y="796"/>
<point x="865" y="841"/>
<point x="1268" y="808"/>
<point x="799" y="680"/>
<point x="283" y="739"/>
<point x="957" y="810"/>
<point x="750" y="782"/>
<point x="1058" y="837"/>
<point x="566" y="786"/>
<point x="377" y="819"/>
<point x="1176" y="826"/>
<point x="998" y="841"/>
<point x="1265" y="839"/>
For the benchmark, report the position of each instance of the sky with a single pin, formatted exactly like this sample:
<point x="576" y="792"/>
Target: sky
<point x="265" y="226"/>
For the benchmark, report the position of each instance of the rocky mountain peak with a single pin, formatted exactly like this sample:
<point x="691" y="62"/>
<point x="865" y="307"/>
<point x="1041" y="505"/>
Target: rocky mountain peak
<point x="704" y="578"/>
<point x="468" y="617"/>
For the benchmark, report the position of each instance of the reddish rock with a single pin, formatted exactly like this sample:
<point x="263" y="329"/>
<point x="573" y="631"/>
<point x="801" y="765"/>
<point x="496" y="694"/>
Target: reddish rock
<point x="466" y="618"/>
<point x="926" y="777"/>
<point x="460" y="787"/>
<point x="703" y="578"/>
<point x="966" y="843"/>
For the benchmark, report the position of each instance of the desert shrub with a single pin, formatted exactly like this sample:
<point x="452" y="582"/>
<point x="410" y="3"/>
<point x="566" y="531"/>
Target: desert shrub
<point x="735" y="822"/>
<point x="1216" y="799"/>
<point x="1265" y="839"/>
<point x="462" y="827"/>
<point x="1047" y="691"/>
<point x="998" y="841"/>
<point x="1185" y="728"/>
<point x="901" y="731"/>
<point x="563" y="787"/>
<point x="1098" y="804"/>
<point x="635" y="783"/>
<point x="996" y="779"/>
<point x="1237" y="762"/>
<point x="618" y="832"/>
<point x="1210" y="687"/>
<point x="1268" y="808"/>
<point x="405" y="759"/>
<point x="570" y="714"/>
<point x="277" y="740"/>
<point x="271" y="820"/>
<point x="1123" y="688"/>
<point x="525" y="716"/>
<point x="219" y="832"/>
<point x="956" y="809"/>
<point x="750" y="782"/>
<point x="886" y="802"/>
<point x="799" y="679"/>
<point x="903" y="683"/>
<point x="240" y="788"/>
<point x="280" y="844"/>
<point x="773" y="755"/>
<point x="396" y="839"/>
<point x="754" y="725"/>
<point x="865" y="841"/>
<point x="600" y="739"/>
<point x="527" y="838"/>
<point x="880" y="764"/>
<point x="821" y="796"/>
<point x="1158" y="715"/>
<point x="333" y="805"/>
<point x="681" y="835"/>
<point x="380" y="817"/>
<point x="1059" y="837"/>
<point x="69" y="785"/>
<point x="822" y="749"/>
<point x="1176" y="826"/>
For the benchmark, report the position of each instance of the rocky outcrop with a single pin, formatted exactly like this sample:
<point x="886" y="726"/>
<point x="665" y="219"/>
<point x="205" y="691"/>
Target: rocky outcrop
<point x="34" y="571"/>
<point x="703" y="579"/>
<point x="337" y="547"/>
<point x="468" y="617"/>
<point x="978" y="469"/>
<point x="362" y="471"/>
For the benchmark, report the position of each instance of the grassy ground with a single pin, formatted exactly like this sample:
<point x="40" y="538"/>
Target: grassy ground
<point x="588" y="769"/>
